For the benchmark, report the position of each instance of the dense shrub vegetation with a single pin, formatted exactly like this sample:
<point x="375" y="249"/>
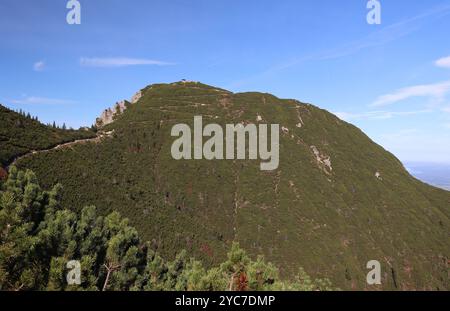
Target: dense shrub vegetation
<point x="330" y="218"/>
<point x="38" y="238"/>
<point x="20" y="133"/>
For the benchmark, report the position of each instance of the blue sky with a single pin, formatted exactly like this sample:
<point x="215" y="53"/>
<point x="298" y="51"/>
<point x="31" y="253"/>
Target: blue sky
<point x="391" y="80"/>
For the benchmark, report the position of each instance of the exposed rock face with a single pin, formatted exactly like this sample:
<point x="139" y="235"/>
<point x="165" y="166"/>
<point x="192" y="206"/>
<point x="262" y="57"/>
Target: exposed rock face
<point x="109" y="114"/>
<point x="105" y="118"/>
<point x="136" y="97"/>
<point x="323" y="160"/>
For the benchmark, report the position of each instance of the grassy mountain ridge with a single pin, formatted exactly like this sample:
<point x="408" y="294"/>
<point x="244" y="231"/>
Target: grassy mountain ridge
<point x="336" y="201"/>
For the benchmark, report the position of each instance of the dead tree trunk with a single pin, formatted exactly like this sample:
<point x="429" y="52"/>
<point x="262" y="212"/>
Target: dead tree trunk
<point x="110" y="268"/>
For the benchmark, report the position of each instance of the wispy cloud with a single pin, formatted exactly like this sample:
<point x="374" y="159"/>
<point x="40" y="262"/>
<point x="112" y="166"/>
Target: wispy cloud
<point x="443" y="62"/>
<point x="32" y="100"/>
<point x="39" y="66"/>
<point x="435" y="91"/>
<point x="377" y="38"/>
<point x="120" y="62"/>
<point x="377" y="115"/>
<point x="387" y="34"/>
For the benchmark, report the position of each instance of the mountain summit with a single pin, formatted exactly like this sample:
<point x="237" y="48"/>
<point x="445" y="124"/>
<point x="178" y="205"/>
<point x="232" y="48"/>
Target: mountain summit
<point x="336" y="201"/>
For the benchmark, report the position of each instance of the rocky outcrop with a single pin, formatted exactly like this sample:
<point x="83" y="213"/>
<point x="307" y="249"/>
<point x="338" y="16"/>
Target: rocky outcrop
<point x="323" y="160"/>
<point x="136" y="97"/>
<point x="108" y="115"/>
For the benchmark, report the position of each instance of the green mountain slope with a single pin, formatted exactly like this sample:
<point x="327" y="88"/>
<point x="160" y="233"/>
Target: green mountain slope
<point x="337" y="200"/>
<point x="20" y="134"/>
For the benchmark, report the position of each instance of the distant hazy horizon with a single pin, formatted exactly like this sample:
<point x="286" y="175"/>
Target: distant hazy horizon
<point x="435" y="174"/>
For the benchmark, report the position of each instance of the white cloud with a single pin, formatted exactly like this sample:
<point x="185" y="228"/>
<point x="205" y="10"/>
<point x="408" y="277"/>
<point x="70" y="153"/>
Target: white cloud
<point x="39" y="66"/>
<point x="435" y="91"/>
<point x="32" y="100"/>
<point x="120" y="62"/>
<point x="447" y="125"/>
<point x="377" y="115"/>
<point x="443" y="62"/>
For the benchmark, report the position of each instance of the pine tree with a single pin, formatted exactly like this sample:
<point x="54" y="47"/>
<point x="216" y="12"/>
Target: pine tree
<point x="38" y="238"/>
